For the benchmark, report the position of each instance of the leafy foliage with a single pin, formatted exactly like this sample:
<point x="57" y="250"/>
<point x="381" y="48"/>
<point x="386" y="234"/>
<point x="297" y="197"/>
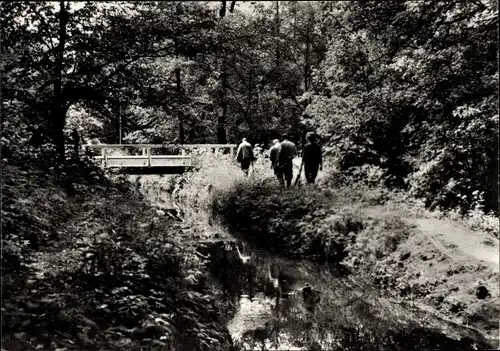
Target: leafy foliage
<point x="404" y="94"/>
<point x="292" y="223"/>
<point x="412" y="88"/>
<point x="98" y="267"/>
<point x="408" y="88"/>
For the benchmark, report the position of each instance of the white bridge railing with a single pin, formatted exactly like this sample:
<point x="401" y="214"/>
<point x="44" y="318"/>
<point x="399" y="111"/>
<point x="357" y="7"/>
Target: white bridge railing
<point x="146" y="159"/>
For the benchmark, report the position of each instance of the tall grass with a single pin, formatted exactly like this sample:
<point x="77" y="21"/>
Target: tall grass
<point x="324" y="221"/>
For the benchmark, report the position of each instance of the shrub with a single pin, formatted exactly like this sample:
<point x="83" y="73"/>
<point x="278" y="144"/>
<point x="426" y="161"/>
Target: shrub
<point x="293" y="222"/>
<point x="108" y="270"/>
<point x="210" y="171"/>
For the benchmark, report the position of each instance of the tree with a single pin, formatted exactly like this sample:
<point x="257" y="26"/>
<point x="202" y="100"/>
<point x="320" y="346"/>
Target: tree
<point x="177" y="80"/>
<point x="98" y="54"/>
<point x="412" y="69"/>
<point x="58" y="105"/>
<point x="222" y="114"/>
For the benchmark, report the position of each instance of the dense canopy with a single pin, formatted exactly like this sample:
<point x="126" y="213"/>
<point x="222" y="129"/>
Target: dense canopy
<point x="404" y="89"/>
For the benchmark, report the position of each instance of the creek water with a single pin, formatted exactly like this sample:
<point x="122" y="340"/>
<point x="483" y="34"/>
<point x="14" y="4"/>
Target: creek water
<point x="344" y="313"/>
<point x="348" y="315"/>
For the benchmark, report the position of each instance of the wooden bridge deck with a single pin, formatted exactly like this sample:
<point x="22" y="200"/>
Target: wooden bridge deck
<point x="147" y="160"/>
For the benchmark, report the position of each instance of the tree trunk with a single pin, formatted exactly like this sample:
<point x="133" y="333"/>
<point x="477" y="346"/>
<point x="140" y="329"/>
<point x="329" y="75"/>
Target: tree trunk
<point x="58" y="117"/>
<point x="294" y="22"/>
<point x="277" y="33"/>
<point x="179" y="97"/>
<point x="178" y="88"/>
<point x="222" y="11"/>
<point x="231" y="8"/>
<point x="250" y="82"/>
<point x="221" y="118"/>
<point x="306" y="59"/>
<point x="278" y="85"/>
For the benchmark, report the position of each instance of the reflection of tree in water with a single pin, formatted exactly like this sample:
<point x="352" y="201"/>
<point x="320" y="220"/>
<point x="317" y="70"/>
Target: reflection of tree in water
<point x="341" y="317"/>
<point x="294" y="306"/>
<point x="234" y="269"/>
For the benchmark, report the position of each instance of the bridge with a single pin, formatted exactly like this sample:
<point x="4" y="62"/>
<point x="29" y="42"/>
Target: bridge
<point x="149" y="157"/>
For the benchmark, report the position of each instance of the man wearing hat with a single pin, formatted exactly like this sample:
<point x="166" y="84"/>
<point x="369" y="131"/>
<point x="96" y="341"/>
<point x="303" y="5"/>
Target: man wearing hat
<point x="311" y="158"/>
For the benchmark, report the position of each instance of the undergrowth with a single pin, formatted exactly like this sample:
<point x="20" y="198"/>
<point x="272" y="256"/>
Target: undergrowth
<point x="373" y="191"/>
<point x="362" y="225"/>
<point x="319" y="220"/>
<point x="294" y="223"/>
<point x="98" y="267"/>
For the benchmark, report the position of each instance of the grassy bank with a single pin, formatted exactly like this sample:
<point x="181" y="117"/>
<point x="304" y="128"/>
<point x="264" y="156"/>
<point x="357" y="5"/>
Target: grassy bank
<point x="89" y="263"/>
<point x="308" y="222"/>
<point x="387" y="239"/>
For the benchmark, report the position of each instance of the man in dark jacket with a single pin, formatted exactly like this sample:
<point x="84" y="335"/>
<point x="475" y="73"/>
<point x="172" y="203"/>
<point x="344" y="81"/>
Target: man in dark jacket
<point x="245" y="156"/>
<point x="286" y="154"/>
<point x="273" y="156"/>
<point x="311" y="158"/>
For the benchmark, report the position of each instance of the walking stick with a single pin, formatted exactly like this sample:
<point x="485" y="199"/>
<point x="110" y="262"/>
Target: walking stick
<point x="298" y="175"/>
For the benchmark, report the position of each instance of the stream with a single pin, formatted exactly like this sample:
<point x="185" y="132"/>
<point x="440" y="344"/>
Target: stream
<point x="283" y="304"/>
<point x="348" y="315"/>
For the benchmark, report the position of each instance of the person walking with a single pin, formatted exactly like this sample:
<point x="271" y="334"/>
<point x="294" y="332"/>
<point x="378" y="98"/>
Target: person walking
<point x="245" y="156"/>
<point x="286" y="154"/>
<point x="273" y="156"/>
<point x="311" y="158"/>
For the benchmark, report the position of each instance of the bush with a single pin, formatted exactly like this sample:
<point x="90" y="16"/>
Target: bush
<point x="210" y="171"/>
<point x="292" y="223"/>
<point x="108" y="270"/>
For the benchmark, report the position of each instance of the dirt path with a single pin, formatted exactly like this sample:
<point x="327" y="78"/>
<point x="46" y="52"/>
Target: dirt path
<point x="455" y="241"/>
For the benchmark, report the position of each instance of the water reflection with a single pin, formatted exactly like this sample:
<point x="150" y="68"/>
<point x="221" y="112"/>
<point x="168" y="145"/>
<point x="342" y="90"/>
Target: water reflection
<point x="285" y="305"/>
<point x="338" y="313"/>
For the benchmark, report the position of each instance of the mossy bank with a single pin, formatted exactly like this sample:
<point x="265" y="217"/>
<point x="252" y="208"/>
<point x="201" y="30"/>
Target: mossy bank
<point x="89" y="264"/>
<point x="382" y="239"/>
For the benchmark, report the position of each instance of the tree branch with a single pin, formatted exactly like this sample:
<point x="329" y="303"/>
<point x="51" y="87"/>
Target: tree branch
<point x="240" y="76"/>
<point x="44" y="27"/>
<point x="242" y="109"/>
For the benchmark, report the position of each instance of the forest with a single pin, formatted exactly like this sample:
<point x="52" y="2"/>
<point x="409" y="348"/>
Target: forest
<point x="407" y="91"/>
<point x="403" y="96"/>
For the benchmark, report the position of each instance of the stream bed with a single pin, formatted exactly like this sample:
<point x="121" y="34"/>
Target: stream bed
<point x="276" y="311"/>
<point x="283" y="304"/>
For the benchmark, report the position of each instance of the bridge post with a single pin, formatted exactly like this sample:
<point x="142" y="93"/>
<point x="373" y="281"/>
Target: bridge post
<point x="148" y="151"/>
<point x="105" y="157"/>
<point x="143" y="151"/>
<point x="231" y="151"/>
